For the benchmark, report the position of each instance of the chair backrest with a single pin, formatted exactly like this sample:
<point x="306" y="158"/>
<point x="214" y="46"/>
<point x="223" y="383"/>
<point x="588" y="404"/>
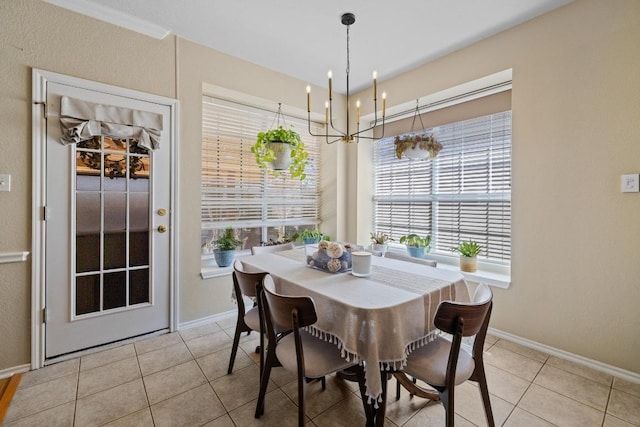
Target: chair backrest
<point x="255" y="250"/>
<point x="468" y="319"/>
<point x="248" y="283"/>
<point x="429" y="262"/>
<point x="286" y="313"/>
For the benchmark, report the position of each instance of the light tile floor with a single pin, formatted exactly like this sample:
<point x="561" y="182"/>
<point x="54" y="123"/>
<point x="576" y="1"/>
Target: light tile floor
<point x="180" y="379"/>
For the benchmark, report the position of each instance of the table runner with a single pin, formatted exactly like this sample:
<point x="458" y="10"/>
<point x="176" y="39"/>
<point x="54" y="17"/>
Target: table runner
<point x="377" y="320"/>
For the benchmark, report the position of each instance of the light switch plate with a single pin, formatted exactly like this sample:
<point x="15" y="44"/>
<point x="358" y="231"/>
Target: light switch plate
<point x="631" y="183"/>
<point x="5" y="182"/>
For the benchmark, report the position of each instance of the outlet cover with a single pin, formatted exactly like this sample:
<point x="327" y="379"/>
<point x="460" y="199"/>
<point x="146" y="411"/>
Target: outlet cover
<point x="5" y="182"/>
<point x="631" y="183"/>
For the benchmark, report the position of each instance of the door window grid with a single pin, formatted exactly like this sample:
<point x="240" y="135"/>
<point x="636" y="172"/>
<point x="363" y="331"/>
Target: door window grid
<point x="111" y="227"/>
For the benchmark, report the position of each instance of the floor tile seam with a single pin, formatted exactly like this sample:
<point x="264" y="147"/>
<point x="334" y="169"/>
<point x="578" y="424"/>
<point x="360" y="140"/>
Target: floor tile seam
<point x="13" y="420"/>
<point x="187" y="391"/>
<point x="521" y="354"/>
<point x="534" y="415"/>
<point x="20" y="388"/>
<point x="512" y="373"/>
<point x="606" y="411"/>
<point x="571" y="398"/>
<point x="574" y="399"/>
<point x="181" y="362"/>
<point x="580" y="375"/>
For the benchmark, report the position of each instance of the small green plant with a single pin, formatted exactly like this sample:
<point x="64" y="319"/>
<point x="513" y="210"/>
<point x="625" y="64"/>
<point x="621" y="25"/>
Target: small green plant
<point x="264" y="151"/>
<point x="416" y="241"/>
<point x="380" y="238"/>
<point x="227" y="241"/>
<point x="313" y="234"/>
<point x="468" y="249"/>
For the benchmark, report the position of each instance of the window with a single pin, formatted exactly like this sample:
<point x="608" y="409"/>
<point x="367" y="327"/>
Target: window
<point x="236" y="192"/>
<point x="463" y="194"/>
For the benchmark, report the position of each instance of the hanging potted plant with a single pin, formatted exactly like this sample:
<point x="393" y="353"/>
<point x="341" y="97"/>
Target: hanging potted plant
<point x="468" y="255"/>
<point x="225" y="247"/>
<point x="416" y="246"/>
<point x="280" y="149"/>
<point x="418" y="146"/>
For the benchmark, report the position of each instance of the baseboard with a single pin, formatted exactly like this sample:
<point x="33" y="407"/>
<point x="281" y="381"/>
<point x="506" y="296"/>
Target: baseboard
<point x="6" y="373"/>
<point x="209" y="319"/>
<point x="589" y="363"/>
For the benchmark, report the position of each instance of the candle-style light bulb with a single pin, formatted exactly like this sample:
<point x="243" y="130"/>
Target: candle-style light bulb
<point x="330" y="75"/>
<point x="384" y="102"/>
<point x="358" y="110"/>
<point x="326" y="112"/>
<point x="308" y="98"/>
<point x="375" y="85"/>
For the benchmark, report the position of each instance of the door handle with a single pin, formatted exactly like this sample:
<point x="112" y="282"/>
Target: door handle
<point x="162" y="228"/>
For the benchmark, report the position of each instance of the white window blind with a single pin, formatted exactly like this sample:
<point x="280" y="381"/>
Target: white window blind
<point x="463" y="194"/>
<point x="235" y="191"/>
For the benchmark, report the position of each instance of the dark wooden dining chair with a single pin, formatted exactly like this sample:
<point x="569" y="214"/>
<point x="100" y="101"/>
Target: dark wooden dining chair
<point x="256" y="250"/>
<point x="249" y="285"/>
<point x="443" y="364"/>
<point x="293" y="348"/>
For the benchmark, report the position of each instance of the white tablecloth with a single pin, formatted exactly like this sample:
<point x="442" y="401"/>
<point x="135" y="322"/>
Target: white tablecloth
<point x="377" y="320"/>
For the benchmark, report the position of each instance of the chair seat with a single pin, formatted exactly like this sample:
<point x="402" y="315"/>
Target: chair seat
<point x="429" y="363"/>
<point x="320" y="357"/>
<point x="252" y="319"/>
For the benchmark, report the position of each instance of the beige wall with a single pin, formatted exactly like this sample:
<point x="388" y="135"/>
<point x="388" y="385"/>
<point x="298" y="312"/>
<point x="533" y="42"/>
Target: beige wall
<point x="576" y="114"/>
<point x="575" y="98"/>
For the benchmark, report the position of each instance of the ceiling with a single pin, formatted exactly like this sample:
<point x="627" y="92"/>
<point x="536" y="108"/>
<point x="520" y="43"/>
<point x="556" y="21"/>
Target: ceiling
<point x="305" y="39"/>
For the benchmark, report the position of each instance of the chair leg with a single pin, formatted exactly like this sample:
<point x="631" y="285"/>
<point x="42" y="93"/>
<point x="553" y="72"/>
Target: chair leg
<point x="447" y="399"/>
<point x="264" y="380"/>
<point x="234" y="348"/>
<point x="397" y="389"/>
<point x="300" y="402"/>
<point x="484" y="392"/>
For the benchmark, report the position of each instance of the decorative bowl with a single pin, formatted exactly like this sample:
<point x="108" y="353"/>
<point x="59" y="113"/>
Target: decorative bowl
<point x="332" y="257"/>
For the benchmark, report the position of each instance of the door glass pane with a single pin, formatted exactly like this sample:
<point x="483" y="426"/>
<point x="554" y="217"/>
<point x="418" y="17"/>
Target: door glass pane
<point x="115" y="290"/>
<point x="139" y="286"/>
<point x="112" y="223"/>
<point x="87" y="294"/>
<point x="87" y="232"/>
<point x="115" y="226"/>
<point x="115" y="172"/>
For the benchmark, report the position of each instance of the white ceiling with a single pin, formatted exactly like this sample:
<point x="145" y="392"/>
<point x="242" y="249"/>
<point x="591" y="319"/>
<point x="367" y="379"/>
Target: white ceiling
<point x="305" y="38"/>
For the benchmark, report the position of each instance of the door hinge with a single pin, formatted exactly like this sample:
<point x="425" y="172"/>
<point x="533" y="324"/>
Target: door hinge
<point x="44" y="213"/>
<point x="44" y="106"/>
<point x="44" y="315"/>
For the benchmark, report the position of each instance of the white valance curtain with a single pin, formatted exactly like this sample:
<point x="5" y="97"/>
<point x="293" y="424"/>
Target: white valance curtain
<point x="82" y="120"/>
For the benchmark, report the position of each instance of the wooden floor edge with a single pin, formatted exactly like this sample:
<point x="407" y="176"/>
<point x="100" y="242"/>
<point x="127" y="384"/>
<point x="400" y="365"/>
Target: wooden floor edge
<point x="5" y="399"/>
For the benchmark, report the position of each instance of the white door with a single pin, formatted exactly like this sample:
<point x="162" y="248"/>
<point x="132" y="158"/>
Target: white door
<point x="107" y="234"/>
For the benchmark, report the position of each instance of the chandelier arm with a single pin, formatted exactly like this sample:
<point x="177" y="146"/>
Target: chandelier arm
<point x="341" y="133"/>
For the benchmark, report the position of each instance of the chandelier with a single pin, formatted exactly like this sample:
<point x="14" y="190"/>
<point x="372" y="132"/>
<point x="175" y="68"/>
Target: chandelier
<point x="347" y="19"/>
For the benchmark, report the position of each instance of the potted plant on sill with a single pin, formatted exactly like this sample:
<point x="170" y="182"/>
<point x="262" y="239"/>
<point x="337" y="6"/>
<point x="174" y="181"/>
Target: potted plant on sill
<point x="225" y="247"/>
<point x="281" y="149"/>
<point x="380" y="241"/>
<point x="469" y="251"/>
<point x="310" y="237"/>
<point x="418" y="147"/>
<point x="416" y="246"/>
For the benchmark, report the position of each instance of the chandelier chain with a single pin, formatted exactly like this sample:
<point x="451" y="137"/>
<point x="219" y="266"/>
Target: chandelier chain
<point x="348" y="39"/>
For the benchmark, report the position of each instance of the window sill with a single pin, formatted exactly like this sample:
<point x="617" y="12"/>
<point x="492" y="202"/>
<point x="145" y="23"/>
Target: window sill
<point x="490" y="278"/>
<point x="209" y="269"/>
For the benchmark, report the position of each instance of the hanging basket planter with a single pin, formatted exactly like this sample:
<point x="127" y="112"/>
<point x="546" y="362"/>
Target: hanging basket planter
<point x="282" y="151"/>
<point x="279" y="149"/>
<point x="419" y="146"/>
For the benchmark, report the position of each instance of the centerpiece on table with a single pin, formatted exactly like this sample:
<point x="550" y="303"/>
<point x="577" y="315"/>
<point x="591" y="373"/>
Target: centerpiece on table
<point x="332" y="257"/>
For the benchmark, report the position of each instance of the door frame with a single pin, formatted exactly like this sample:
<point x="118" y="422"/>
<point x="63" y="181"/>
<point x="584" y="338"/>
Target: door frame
<point x="40" y="78"/>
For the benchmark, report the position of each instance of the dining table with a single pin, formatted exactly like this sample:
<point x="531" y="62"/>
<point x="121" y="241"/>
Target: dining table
<point x="376" y="321"/>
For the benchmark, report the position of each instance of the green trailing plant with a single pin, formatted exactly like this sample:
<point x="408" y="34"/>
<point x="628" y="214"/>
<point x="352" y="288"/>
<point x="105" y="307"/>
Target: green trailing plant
<point x="313" y="234"/>
<point x="227" y="241"/>
<point x="469" y="249"/>
<point x="380" y="238"/>
<point x="264" y="151"/>
<point x="416" y="241"/>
